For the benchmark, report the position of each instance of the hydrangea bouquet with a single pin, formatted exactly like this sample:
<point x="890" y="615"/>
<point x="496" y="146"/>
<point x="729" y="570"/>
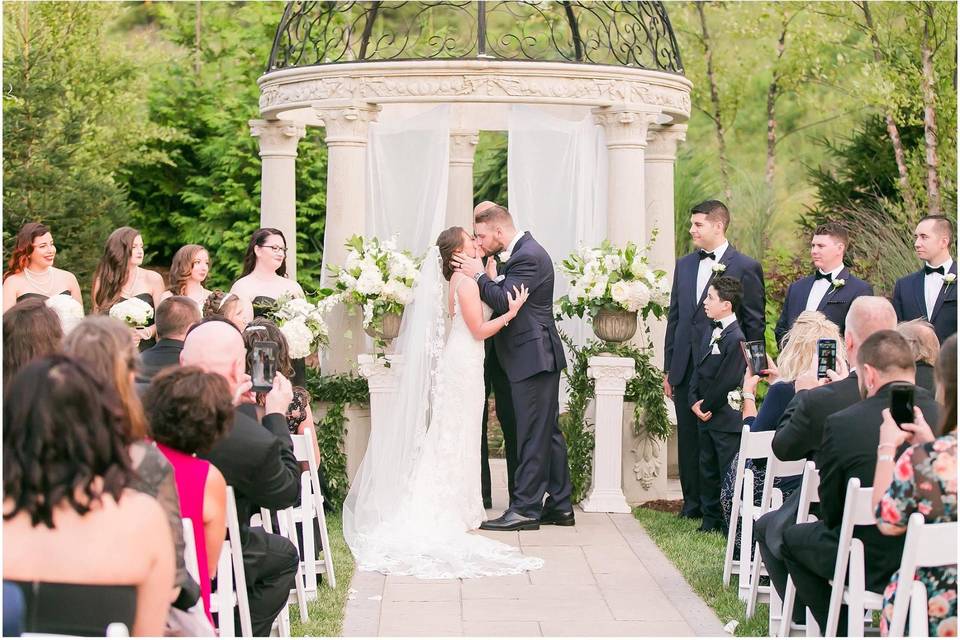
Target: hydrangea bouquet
<point x="69" y="310"/>
<point x="302" y="324"/>
<point x="133" y="311"/>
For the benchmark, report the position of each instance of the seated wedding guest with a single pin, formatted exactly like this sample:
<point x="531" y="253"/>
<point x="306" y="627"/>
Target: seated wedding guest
<point x="264" y="280"/>
<point x="119" y="277"/>
<point x="931" y="292"/>
<point x="31" y="330"/>
<point x="830" y="289"/>
<point x="923" y="480"/>
<point x="86" y="550"/>
<point x="256" y="459"/>
<point x="31" y="274"/>
<point x="799" y="357"/>
<point x="174" y="317"/>
<point x="234" y="308"/>
<point x="800" y="430"/>
<point x="925" y="346"/>
<point x="188" y="271"/>
<point x="189" y="411"/>
<point x="718" y="371"/>
<point x="849" y="450"/>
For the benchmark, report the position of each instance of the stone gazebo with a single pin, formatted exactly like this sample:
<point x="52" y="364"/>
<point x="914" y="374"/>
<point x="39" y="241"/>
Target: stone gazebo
<point x="343" y="65"/>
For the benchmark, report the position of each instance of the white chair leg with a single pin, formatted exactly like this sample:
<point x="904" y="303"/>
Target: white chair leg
<point x="223" y="597"/>
<point x="290" y="525"/>
<point x="919" y="620"/>
<point x="775" y="610"/>
<point x="812" y="628"/>
<point x="329" y="576"/>
<point x="754" y="581"/>
<point x="786" y="609"/>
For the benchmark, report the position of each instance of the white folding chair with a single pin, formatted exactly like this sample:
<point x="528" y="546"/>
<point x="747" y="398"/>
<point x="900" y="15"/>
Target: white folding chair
<point x="311" y="507"/>
<point x="926" y="545"/>
<point x="114" y="630"/>
<point x="753" y="446"/>
<point x="771" y="499"/>
<point x="809" y="493"/>
<point x="231" y="579"/>
<point x="857" y="511"/>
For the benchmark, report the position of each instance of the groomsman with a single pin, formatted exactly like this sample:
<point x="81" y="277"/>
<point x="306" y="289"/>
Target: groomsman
<point x="830" y="289"/>
<point x="931" y="292"/>
<point x="688" y="326"/>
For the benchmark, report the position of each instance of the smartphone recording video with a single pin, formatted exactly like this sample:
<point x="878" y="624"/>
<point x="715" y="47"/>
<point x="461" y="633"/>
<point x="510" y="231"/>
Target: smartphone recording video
<point x="826" y="357"/>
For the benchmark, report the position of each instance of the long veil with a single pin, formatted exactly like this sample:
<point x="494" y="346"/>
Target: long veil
<point x="392" y="451"/>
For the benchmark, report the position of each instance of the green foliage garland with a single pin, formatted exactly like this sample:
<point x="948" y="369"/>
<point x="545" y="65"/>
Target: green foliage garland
<point x="338" y="391"/>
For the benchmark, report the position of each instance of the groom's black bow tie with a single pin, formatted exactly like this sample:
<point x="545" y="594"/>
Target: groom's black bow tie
<point x="704" y="255"/>
<point x="716" y="324"/>
<point x="826" y="276"/>
<point x="927" y="269"/>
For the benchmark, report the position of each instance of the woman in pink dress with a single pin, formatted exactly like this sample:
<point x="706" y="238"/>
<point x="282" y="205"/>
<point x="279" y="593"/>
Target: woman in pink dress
<point x="188" y="411"/>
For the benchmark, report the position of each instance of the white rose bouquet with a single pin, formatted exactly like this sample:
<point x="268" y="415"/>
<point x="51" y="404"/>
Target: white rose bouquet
<point x="302" y="324"/>
<point x="133" y="311"/>
<point x="69" y="310"/>
<point x="607" y="277"/>
<point x="377" y="279"/>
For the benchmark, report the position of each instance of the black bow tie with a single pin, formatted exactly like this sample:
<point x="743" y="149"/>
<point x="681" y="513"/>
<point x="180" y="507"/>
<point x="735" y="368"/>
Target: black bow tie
<point x="704" y="255"/>
<point x="927" y="270"/>
<point x="716" y="324"/>
<point x="825" y="276"/>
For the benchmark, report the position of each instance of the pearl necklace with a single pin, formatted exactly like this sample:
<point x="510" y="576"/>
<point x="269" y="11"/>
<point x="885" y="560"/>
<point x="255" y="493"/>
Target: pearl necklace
<point x="38" y="281"/>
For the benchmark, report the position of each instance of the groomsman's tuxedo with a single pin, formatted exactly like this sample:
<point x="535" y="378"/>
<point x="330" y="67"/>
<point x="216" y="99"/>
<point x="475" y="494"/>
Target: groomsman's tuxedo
<point x="687" y="327"/>
<point x="924" y="294"/>
<point x="822" y="292"/>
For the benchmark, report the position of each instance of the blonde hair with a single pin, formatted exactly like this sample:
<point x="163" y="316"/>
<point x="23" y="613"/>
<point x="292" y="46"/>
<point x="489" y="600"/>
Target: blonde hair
<point x="800" y="351"/>
<point x="922" y="338"/>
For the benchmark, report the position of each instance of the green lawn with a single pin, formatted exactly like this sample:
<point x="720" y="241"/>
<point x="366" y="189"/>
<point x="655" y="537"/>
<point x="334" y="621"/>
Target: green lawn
<point x="326" y="612"/>
<point x="699" y="557"/>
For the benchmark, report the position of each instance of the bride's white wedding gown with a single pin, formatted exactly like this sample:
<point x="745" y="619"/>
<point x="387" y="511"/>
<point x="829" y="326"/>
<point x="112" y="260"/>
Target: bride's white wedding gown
<point x="429" y="537"/>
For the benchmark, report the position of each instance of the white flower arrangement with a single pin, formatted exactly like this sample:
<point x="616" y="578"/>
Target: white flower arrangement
<point x="735" y="399"/>
<point x="69" y="310"/>
<point x="302" y="324"/>
<point x="376" y="278"/>
<point x="133" y="311"/>
<point x="719" y="268"/>
<point x="607" y="277"/>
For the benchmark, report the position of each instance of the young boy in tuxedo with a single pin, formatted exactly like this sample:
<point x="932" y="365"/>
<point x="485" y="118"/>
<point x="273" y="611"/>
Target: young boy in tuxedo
<point x="719" y="369"/>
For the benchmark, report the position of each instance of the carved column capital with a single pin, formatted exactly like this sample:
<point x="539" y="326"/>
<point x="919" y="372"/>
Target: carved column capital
<point x="278" y="138"/>
<point x="463" y="144"/>
<point x="662" y="142"/>
<point x="347" y="124"/>
<point x="611" y="374"/>
<point x="625" y="127"/>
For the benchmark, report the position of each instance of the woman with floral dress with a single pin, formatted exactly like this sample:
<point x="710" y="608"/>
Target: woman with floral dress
<point x="923" y="480"/>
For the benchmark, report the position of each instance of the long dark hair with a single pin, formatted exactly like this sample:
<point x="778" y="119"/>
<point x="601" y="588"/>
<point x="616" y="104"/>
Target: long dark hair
<point x="23" y="247"/>
<point x="31" y="329"/>
<point x="257" y="240"/>
<point x="112" y="269"/>
<point x="448" y="242"/>
<point x="63" y="440"/>
<point x="270" y="332"/>
<point x="182" y="267"/>
<point x="946" y="374"/>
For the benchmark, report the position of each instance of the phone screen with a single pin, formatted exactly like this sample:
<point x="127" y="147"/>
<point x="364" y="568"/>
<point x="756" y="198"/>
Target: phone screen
<point x="901" y="403"/>
<point x="826" y="357"/>
<point x="263" y="367"/>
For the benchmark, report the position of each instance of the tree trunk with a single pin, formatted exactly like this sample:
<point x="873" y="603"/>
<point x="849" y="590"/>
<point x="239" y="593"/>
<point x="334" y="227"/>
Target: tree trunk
<point x="196" y="38"/>
<point x="717" y="112"/>
<point x="773" y="92"/>
<point x="892" y="130"/>
<point x="930" y="115"/>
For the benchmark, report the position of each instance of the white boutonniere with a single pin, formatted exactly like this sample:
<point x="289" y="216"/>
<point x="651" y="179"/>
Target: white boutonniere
<point x="719" y="267"/>
<point x="504" y="256"/>
<point x="735" y="400"/>
<point x="949" y="279"/>
<point x="838" y="282"/>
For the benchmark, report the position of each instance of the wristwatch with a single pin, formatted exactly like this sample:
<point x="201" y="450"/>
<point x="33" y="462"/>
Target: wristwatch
<point x="476" y="276"/>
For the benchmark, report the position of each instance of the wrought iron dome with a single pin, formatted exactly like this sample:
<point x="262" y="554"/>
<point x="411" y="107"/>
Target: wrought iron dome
<point x="629" y="34"/>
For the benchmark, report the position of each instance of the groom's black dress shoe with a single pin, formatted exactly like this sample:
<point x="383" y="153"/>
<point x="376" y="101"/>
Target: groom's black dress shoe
<point x="559" y="518"/>
<point x="511" y="521"/>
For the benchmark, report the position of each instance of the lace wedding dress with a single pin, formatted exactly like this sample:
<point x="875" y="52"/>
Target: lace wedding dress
<point x="428" y="535"/>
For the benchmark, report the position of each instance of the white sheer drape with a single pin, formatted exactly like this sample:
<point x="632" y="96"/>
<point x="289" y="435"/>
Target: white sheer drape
<point x="557" y="187"/>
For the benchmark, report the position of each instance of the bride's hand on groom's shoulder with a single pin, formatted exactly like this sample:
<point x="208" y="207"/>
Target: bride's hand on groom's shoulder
<point x="516" y="298"/>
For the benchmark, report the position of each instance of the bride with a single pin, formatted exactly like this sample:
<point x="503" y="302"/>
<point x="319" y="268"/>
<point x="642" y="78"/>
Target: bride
<point x="416" y="495"/>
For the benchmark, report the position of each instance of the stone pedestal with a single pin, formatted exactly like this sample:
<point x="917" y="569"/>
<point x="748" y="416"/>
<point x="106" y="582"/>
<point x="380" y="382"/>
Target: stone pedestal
<point x="382" y="382"/>
<point x="611" y="375"/>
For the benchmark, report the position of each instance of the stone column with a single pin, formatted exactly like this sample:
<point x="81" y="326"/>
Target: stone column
<point x="382" y="381"/>
<point x="463" y="144"/>
<point x="346" y="129"/>
<point x="611" y="375"/>
<point x="278" y="193"/>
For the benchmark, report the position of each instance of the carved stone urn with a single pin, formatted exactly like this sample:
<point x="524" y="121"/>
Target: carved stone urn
<point x="615" y="326"/>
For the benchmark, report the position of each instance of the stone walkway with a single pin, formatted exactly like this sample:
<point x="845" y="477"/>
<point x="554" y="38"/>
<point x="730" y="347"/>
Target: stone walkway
<point x="602" y="577"/>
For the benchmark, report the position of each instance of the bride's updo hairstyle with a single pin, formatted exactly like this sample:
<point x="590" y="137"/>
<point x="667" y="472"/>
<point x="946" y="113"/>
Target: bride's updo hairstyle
<point x="449" y="242"/>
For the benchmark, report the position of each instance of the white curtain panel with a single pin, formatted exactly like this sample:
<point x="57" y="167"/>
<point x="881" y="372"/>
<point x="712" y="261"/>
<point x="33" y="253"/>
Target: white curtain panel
<point x="557" y="189"/>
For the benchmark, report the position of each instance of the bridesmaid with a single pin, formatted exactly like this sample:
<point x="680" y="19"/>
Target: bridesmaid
<point x="31" y="273"/>
<point x="119" y="276"/>
<point x="191" y="264"/>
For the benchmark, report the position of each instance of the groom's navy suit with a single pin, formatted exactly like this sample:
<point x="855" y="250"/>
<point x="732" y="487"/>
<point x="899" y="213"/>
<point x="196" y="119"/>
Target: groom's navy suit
<point x="910" y="303"/>
<point x="834" y="304"/>
<point x="687" y="328"/>
<point x="531" y="354"/>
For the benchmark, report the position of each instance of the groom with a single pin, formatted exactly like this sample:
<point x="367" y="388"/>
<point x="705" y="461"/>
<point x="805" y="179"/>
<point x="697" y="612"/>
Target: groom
<point x="531" y="354"/>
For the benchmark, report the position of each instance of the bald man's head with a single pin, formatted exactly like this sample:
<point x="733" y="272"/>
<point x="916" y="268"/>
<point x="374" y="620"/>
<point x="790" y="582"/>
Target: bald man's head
<point x="867" y="315"/>
<point x="215" y="347"/>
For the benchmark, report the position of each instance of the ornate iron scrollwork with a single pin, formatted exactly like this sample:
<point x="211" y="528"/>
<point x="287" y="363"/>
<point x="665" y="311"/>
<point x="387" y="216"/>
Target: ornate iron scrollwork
<point x="621" y="33"/>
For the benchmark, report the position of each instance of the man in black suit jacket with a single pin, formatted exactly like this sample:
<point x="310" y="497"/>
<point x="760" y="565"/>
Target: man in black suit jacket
<point x="800" y="430"/>
<point x="830" y="289"/>
<point x="173" y="318"/>
<point x="849" y="450"/>
<point x="931" y="292"/>
<point x="256" y="459"/>
<point x="687" y="326"/>
<point x="719" y="370"/>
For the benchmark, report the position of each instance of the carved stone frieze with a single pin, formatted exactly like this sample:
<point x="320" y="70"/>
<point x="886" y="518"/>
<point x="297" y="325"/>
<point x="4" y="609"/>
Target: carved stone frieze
<point x="649" y="459"/>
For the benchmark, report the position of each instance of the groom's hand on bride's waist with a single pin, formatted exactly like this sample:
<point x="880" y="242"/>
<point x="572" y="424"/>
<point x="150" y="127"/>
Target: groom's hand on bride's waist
<point x="467" y="265"/>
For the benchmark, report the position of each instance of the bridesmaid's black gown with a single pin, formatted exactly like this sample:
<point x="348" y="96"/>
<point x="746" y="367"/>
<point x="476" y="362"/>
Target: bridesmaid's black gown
<point x="25" y="296"/>
<point x="261" y="305"/>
